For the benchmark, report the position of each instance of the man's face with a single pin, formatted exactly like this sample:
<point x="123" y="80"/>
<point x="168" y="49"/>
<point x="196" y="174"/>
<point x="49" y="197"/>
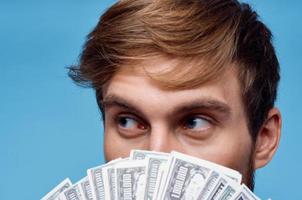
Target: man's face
<point x="208" y="122"/>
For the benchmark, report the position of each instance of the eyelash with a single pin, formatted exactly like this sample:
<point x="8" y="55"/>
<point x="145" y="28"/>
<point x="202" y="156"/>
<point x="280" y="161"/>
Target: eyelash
<point x="119" y="116"/>
<point x="190" y="117"/>
<point x="206" y="117"/>
<point x="183" y="120"/>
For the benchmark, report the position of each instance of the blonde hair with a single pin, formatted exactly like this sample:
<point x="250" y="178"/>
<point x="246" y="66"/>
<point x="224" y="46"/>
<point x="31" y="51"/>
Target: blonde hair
<point x="205" y="35"/>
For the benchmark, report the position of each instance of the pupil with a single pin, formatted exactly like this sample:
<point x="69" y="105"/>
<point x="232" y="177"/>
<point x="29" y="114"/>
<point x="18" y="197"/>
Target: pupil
<point x="191" y="123"/>
<point x="123" y="121"/>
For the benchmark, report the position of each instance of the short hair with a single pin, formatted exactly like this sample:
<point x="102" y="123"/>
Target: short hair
<point x="215" y="33"/>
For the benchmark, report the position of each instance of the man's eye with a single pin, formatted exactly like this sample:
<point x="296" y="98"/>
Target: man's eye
<point x="127" y="122"/>
<point x="130" y="127"/>
<point x="196" y="123"/>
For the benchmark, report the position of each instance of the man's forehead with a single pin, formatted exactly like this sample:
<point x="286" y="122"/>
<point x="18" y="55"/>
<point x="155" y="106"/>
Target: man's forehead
<point x="175" y="73"/>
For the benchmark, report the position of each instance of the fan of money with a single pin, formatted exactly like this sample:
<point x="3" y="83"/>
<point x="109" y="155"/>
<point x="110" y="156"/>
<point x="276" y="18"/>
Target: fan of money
<point x="150" y="175"/>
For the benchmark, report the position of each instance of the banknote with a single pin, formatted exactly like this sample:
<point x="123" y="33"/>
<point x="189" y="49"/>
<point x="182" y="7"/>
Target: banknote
<point x="151" y="175"/>
<point x="108" y="172"/>
<point x="55" y="192"/>
<point x="231" y="173"/>
<point x="72" y="193"/>
<point x="220" y="184"/>
<point x="229" y="190"/>
<point x="130" y="179"/>
<point x="85" y="188"/>
<point x="155" y="164"/>
<point x="244" y="193"/>
<point x="109" y="181"/>
<point x="96" y="181"/>
<point x="185" y="180"/>
<point x="188" y="175"/>
<point x="211" y="181"/>
<point x="137" y="154"/>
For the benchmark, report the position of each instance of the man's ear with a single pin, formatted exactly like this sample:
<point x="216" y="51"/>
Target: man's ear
<point x="268" y="138"/>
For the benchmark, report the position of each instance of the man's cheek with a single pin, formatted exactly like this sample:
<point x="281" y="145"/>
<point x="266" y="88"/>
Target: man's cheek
<point x="227" y="153"/>
<point x="236" y="158"/>
<point x="116" y="146"/>
<point x="113" y="146"/>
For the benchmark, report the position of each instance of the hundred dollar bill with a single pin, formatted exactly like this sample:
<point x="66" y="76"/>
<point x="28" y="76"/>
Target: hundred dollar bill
<point x="156" y="161"/>
<point x="54" y="193"/>
<point x="72" y="193"/>
<point x="150" y="175"/>
<point x="85" y="189"/>
<point x="162" y="172"/>
<point x="244" y="193"/>
<point x="187" y="176"/>
<point x="109" y="181"/>
<point x="185" y="180"/>
<point x="228" y="191"/>
<point x="137" y="154"/>
<point x="210" y="183"/>
<point x="108" y="172"/>
<point x="233" y="174"/>
<point x="131" y="179"/>
<point x="96" y="180"/>
<point x="221" y="183"/>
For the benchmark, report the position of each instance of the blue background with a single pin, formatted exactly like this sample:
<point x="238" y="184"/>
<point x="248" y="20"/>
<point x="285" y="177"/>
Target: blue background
<point x="51" y="129"/>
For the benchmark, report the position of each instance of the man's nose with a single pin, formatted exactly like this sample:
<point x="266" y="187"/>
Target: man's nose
<point x="162" y="139"/>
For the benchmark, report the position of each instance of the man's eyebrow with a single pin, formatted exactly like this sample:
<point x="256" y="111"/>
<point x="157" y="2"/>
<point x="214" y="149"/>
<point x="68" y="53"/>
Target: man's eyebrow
<point x="207" y="104"/>
<point x="204" y="104"/>
<point x="114" y="100"/>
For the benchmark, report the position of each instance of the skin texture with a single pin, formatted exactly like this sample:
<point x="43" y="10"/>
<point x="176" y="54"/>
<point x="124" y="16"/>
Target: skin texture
<point x="208" y="122"/>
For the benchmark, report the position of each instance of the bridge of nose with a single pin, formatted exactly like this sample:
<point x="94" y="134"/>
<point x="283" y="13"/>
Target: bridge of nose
<point x="163" y="140"/>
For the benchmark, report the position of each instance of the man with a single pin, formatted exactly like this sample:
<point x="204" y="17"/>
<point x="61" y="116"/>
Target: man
<point x="195" y="76"/>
